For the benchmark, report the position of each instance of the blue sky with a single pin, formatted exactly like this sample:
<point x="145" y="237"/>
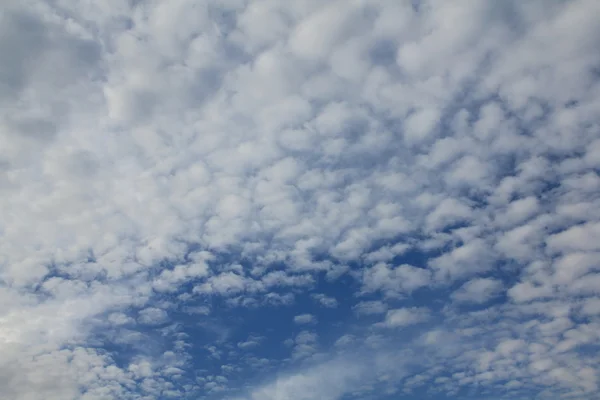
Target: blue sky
<point x="303" y="200"/>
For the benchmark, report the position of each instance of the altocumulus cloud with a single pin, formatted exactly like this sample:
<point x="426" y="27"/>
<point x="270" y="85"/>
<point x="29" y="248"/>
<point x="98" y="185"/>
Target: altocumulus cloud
<point x="263" y="199"/>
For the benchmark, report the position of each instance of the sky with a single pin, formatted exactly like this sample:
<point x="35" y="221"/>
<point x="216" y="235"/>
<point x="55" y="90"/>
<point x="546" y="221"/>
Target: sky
<point x="299" y="200"/>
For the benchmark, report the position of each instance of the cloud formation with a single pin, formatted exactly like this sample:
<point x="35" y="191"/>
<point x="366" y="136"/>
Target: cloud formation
<point x="266" y="199"/>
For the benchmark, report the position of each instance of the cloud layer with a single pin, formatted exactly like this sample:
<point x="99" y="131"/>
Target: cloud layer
<point x="270" y="200"/>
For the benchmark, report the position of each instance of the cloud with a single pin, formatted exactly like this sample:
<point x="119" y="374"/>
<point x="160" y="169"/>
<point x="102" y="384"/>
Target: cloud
<point x="250" y="343"/>
<point x="394" y="281"/>
<point x="576" y="238"/>
<point x="402" y="317"/>
<point x="304" y="345"/>
<point x="328" y="381"/>
<point x="471" y="258"/>
<point x="152" y="316"/>
<point x="478" y="291"/>
<point x="324" y="300"/>
<point x="370" y="307"/>
<point x="174" y="167"/>
<point x="304" y="319"/>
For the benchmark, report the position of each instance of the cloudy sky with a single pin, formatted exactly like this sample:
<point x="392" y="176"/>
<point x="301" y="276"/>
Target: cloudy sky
<point x="299" y="200"/>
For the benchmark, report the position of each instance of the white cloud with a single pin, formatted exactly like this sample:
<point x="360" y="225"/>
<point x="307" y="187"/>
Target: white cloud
<point x="324" y="300"/>
<point x="519" y="210"/>
<point x="251" y="342"/>
<point x="120" y="319"/>
<point x="419" y="126"/>
<point x="225" y="283"/>
<point x="591" y="307"/>
<point x="471" y="258"/>
<point x="526" y="291"/>
<point x="153" y="316"/>
<point x="575" y="265"/>
<point x="328" y="381"/>
<point x="304" y="319"/>
<point x="478" y="291"/>
<point x="305" y="345"/>
<point x="394" y="281"/>
<point x="402" y="317"/>
<point x="449" y="211"/>
<point x="583" y="237"/>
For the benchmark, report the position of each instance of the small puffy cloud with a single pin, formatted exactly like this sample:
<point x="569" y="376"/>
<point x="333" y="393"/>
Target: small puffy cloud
<point x="585" y="237"/>
<point x="303" y="345"/>
<point x="304" y="319"/>
<point x="120" y="319"/>
<point x="519" y="210"/>
<point x="251" y="342"/>
<point x="527" y="291"/>
<point x="574" y="265"/>
<point x="473" y="257"/>
<point x="324" y="300"/>
<point x="394" y="281"/>
<point x="152" y="316"/>
<point x="345" y="340"/>
<point x="223" y="284"/>
<point x="305" y="337"/>
<point x="419" y="125"/>
<point x="170" y="279"/>
<point x="402" y="317"/>
<point x="591" y="306"/>
<point x="449" y="211"/>
<point x="478" y="291"/>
